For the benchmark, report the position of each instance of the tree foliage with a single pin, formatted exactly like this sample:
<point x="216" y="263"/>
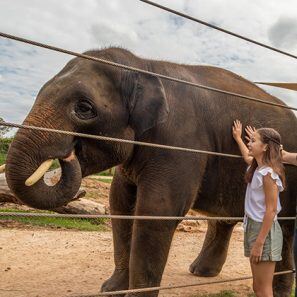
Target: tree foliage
<point x="3" y="129"/>
<point x="4" y="144"/>
<point x="4" y="141"/>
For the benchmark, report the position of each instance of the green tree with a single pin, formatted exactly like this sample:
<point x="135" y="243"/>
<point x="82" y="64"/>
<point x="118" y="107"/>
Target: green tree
<point x="3" y="129"/>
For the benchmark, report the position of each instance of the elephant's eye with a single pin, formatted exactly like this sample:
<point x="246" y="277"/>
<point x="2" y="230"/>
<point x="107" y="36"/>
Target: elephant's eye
<point x="85" y="110"/>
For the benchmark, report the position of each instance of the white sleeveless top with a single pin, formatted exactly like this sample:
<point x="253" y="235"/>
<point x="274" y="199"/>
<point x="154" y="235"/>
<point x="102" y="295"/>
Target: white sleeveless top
<point x="255" y="206"/>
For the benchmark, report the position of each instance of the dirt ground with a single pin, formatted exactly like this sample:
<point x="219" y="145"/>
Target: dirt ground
<point x="38" y="262"/>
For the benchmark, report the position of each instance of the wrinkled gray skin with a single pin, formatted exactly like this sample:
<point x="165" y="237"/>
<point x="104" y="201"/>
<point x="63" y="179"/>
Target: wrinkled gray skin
<point x="90" y="97"/>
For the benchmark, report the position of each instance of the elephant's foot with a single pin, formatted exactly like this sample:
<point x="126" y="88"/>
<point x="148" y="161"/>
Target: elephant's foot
<point x="118" y="281"/>
<point x="204" y="268"/>
<point x="283" y="290"/>
<point x="214" y="251"/>
<point x="282" y="285"/>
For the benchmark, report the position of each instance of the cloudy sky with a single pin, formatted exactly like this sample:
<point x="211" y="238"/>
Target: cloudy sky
<point x="147" y="31"/>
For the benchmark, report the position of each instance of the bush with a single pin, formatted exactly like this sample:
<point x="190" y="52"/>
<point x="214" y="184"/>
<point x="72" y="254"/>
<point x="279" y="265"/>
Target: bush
<point x="3" y="129"/>
<point x="4" y="145"/>
<point x="2" y="159"/>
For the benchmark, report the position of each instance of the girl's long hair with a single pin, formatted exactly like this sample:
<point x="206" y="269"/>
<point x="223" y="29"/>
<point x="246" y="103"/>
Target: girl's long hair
<point x="271" y="157"/>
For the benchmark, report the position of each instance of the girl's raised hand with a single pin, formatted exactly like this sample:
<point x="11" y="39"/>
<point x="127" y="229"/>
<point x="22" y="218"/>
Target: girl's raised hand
<point x="249" y="131"/>
<point x="237" y="130"/>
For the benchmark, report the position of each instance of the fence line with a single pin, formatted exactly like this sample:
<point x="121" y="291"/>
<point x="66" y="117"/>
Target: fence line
<point x="181" y="286"/>
<point x="218" y="28"/>
<point x="84" y="56"/>
<point x="152" y="145"/>
<point x="128" y="217"/>
<point x="106" y="138"/>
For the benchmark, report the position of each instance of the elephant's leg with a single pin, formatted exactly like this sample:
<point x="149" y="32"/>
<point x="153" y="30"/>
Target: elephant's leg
<point x="152" y="239"/>
<point x="122" y="201"/>
<point x="282" y="285"/>
<point x="214" y="251"/>
<point x="150" y="248"/>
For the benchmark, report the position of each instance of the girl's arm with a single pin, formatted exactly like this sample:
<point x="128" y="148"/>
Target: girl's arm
<point x="237" y="131"/>
<point x="271" y="193"/>
<point x="290" y="158"/>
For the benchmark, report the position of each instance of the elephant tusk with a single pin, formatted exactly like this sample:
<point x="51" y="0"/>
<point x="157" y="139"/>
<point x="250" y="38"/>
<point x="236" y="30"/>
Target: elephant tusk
<point x="39" y="173"/>
<point x="2" y="168"/>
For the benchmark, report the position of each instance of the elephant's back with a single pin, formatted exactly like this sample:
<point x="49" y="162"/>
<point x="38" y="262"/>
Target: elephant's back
<point x="211" y="105"/>
<point x="211" y="76"/>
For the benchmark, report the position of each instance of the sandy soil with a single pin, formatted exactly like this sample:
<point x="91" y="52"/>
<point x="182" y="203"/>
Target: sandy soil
<point x="41" y="263"/>
<point x="38" y="262"/>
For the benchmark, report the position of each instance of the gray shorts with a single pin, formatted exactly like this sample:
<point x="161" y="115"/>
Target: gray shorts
<point x="272" y="250"/>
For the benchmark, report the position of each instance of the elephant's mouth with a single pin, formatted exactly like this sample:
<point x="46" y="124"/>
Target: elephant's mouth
<point x="78" y="157"/>
<point x="25" y="173"/>
<point x="71" y="155"/>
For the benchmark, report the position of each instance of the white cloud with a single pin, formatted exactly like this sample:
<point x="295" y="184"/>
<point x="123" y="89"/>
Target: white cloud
<point x="104" y="32"/>
<point x="284" y="32"/>
<point x="145" y="30"/>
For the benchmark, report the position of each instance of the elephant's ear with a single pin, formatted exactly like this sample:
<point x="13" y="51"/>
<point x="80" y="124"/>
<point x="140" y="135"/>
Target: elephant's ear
<point x="146" y="102"/>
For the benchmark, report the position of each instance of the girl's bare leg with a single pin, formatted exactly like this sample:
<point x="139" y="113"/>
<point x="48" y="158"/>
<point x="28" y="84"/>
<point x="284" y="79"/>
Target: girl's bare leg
<point x="262" y="278"/>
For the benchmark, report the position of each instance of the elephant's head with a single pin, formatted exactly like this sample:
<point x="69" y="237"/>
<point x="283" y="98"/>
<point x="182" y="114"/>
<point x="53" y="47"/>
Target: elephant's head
<point x="87" y="97"/>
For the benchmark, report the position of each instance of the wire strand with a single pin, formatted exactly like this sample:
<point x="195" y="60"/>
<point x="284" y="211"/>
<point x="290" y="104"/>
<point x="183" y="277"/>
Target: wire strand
<point x="106" y="138"/>
<point x="149" y="144"/>
<point x="170" y="287"/>
<point x="218" y="28"/>
<point x="127" y="217"/>
<point x="84" y="56"/>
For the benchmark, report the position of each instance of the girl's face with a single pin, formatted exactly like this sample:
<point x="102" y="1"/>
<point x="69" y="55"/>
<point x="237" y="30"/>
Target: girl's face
<point x="256" y="146"/>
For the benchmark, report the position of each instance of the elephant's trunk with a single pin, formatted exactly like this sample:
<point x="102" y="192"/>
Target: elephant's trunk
<point x="25" y="155"/>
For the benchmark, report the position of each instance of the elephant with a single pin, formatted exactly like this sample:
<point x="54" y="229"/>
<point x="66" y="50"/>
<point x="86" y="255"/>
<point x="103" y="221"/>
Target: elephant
<point x="91" y="97"/>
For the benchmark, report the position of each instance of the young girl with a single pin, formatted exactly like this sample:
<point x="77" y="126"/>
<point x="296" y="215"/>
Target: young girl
<point x="265" y="177"/>
<point x="290" y="158"/>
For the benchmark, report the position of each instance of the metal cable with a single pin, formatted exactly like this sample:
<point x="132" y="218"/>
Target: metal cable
<point x="127" y="217"/>
<point x="84" y="56"/>
<point x="218" y="28"/>
<point x="180" y="286"/>
<point x="106" y="138"/>
<point x="148" y="144"/>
